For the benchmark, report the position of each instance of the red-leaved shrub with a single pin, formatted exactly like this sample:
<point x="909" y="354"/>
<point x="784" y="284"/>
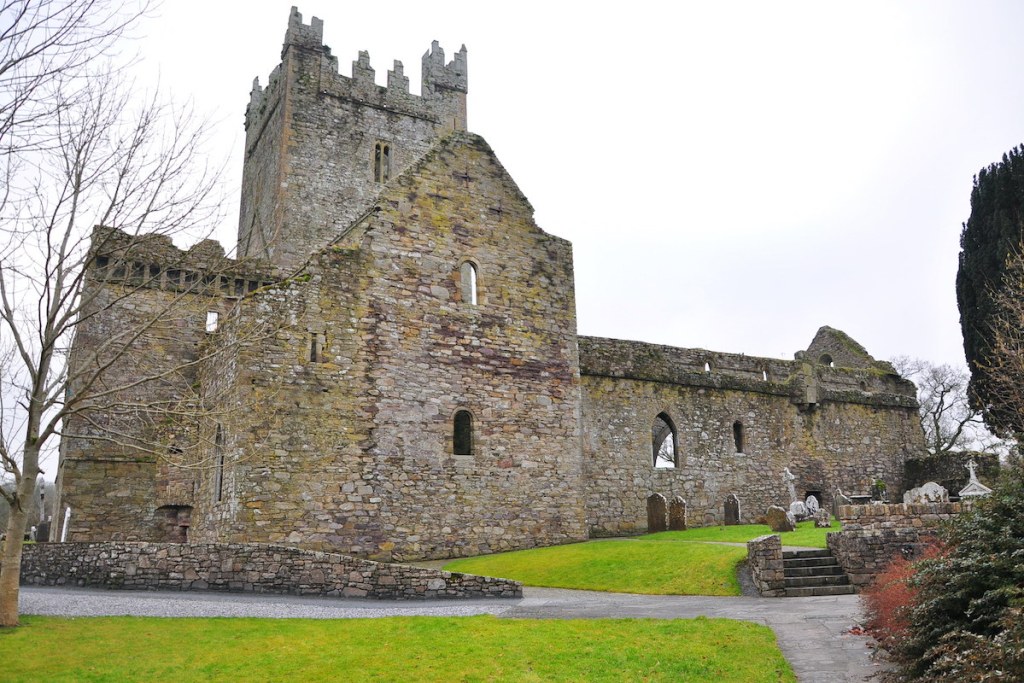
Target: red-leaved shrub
<point x="890" y="597"/>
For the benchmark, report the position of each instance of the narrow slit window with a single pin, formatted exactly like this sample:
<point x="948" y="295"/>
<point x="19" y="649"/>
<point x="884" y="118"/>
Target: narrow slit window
<point x="314" y="347"/>
<point x="212" y="321"/>
<point x="382" y="162"/>
<point x="469" y="283"/>
<point x="218" y="452"/>
<point x="663" y="442"/>
<point x="462" y="437"/>
<point x="737" y="435"/>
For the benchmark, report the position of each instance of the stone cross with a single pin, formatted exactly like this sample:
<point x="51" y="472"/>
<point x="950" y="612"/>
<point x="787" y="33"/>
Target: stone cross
<point x="971" y="466"/>
<point x="788" y="479"/>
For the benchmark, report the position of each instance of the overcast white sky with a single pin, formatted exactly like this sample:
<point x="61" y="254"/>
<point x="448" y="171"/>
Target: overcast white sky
<point x="732" y="175"/>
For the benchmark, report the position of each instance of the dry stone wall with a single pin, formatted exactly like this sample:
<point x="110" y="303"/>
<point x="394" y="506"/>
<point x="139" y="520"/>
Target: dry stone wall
<point x="246" y="567"/>
<point x="874" y="535"/>
<point x="767" y="569"/>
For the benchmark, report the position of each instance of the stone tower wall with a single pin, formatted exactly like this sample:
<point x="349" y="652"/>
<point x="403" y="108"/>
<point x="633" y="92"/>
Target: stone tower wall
<point x="848" y="438"/>
<point x="311" y="136"/>
<point x="145" y="306"/>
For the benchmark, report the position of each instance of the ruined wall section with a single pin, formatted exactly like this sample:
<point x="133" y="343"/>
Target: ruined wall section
<point x="846" y="437"/>
<point x="312" y="137"/>
<point x="145" y="308"/>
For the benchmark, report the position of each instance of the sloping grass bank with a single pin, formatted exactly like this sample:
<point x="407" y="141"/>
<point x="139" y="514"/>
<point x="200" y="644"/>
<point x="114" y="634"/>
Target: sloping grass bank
<point x="691" y="562"/>
<point x="391" y="649"/>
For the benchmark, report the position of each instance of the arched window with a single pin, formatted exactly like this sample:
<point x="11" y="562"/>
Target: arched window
<point x="462" y="433"/>
<point x="382" y="162"/>
<point x="737" y="435"/>
<point x="826" y="360"/>
<point x="663" y="442"/>
<point x="707" y="367"/>
<point x="468" y="285"/>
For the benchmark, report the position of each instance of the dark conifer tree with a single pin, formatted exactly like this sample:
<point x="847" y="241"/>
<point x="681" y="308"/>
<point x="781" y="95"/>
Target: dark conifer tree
<point x="993" y="233"/>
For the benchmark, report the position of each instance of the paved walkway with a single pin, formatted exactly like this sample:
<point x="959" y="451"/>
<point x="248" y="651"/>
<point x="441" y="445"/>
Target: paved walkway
<point x="812" y="632"/>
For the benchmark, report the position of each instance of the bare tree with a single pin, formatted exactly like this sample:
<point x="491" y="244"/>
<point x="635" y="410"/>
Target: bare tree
<point x="79" y="150"/>
<point x="950" y="423"/>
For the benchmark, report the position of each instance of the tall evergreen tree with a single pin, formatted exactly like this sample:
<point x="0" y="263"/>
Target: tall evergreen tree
<point x="991" y="236"/>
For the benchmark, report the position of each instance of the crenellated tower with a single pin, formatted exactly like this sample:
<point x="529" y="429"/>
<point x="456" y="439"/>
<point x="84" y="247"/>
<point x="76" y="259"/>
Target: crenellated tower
<point x="319" y="146"/>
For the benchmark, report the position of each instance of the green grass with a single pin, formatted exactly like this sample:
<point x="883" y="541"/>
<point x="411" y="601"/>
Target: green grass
<point x="805" y="535"/>
<point x="667" y="563"/>
<point x="392" y="649"/>
<point x="620" y="566"/>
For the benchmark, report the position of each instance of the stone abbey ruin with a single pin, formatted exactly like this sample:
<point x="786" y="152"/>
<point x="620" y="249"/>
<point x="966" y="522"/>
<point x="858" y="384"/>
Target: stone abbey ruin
<point x="390" y="367"/>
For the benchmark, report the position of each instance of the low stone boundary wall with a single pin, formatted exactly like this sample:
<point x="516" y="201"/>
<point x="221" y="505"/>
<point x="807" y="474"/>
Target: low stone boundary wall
<point x="764" y="557"/>
<point x="246" y="567"/>
<point x="874" y="535"/>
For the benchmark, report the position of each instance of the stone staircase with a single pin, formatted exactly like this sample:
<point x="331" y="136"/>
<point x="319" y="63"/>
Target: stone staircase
<point x="814" y="572"/>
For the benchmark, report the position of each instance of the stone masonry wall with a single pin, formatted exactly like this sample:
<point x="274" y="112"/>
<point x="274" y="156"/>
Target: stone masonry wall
<point x="764" y="557"/>
<point x="145" y="307"/>
<point x="845" y="438"/>
<point x="873" y="535"/>
<point x="246" y="567"/>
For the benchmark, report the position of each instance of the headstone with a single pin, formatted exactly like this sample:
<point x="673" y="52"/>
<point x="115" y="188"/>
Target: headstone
<point x="974" y="488"/>
<point x="732" y="510"/>
<point x="677" y="514"/>
<point x="927" y="493"/>
<point x="656" y="513"/>
<point x="838" y="500"/>
<point x="779" y="519"/>
<point x="823" y="520"/>
<point x="788" y="479"/>
<point x="798" y="510"/>
<point x="812" y="505"/>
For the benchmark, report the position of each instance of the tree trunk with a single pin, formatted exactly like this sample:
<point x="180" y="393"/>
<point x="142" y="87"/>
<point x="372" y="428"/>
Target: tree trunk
<point x="10" y="563"/>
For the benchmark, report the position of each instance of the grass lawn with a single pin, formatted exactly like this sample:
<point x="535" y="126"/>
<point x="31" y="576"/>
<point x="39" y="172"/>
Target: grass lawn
<point x="805" y="535"/>
<point x="391" y="649"/>
<point x="619" y="566"/>
<point x="668" y="563"/>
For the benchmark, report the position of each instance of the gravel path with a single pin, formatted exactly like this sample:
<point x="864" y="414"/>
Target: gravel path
<point x="812" y="632"/>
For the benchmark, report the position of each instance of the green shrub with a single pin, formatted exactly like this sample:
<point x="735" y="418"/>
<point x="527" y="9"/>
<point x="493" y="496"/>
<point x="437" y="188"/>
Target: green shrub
<point x="966" y="613"/>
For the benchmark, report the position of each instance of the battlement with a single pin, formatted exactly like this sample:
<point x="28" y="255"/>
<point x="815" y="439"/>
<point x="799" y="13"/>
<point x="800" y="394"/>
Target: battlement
<point x="442" y="94"/>
<point x="153" y="262"/>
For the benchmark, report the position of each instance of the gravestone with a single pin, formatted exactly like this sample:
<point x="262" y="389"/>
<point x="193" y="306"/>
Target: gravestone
<point x="812" y="506"/>
<point x="823" y="520"/>
<point x="677" y="514"/>
<point x="798" y="510"/>
<point x="656" y="513"/>
<point x="927" y="493"/>
<point x="779" y="519"/>
<point x="732" y="510"/>
<point x="839" y="499"/>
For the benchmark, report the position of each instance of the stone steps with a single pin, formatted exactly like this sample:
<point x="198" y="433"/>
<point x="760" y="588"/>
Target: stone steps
<point x="813" y="572"/>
